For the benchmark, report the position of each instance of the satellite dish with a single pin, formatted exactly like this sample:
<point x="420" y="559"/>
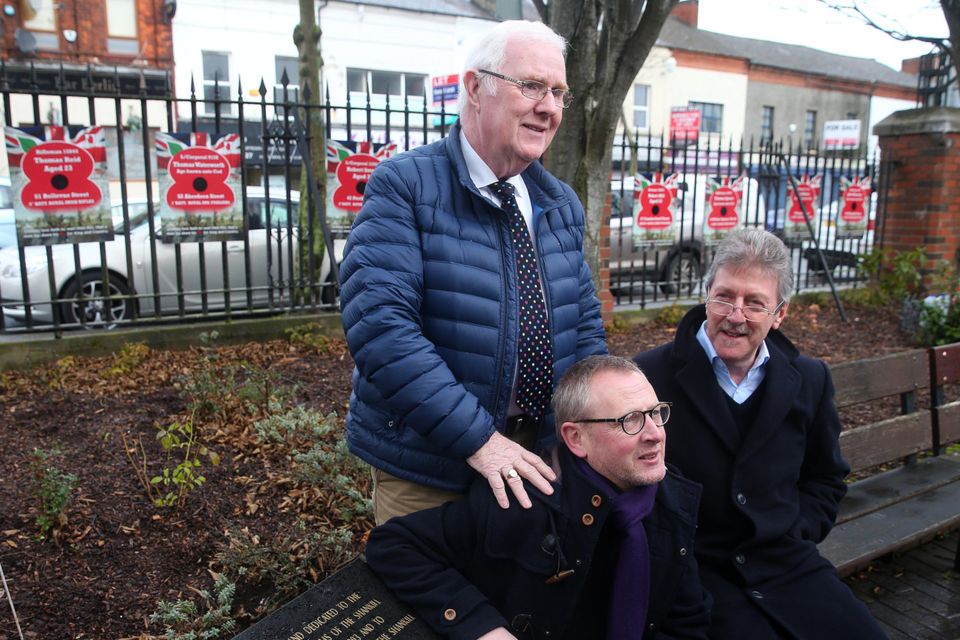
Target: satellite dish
<point x="25" y="40"/>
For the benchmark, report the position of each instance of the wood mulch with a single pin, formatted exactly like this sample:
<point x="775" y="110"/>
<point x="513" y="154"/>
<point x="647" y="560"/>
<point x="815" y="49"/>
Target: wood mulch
<point x="103" y="569"/>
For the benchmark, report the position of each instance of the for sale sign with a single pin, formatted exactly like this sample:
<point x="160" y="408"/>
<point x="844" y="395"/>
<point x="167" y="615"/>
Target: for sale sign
<point x="61" y="192"/>
<point x="841" y="134"/>
<point x="199" y="182"/>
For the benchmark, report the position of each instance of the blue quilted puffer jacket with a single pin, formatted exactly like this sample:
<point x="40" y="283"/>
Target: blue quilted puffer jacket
<point x="429" y="306"/>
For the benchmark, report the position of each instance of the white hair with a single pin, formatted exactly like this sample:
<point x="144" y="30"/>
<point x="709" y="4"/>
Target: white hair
<point x="491" y="50"/>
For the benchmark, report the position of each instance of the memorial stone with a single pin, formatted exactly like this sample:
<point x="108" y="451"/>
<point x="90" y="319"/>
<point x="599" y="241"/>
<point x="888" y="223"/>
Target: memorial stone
<point x="352" y="604"/>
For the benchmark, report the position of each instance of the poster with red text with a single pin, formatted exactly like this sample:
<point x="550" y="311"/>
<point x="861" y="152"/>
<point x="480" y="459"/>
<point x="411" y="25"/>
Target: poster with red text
<point x="854" y="207"/>
<point x="655" y="208"/>
<point x="807" y="192"/>
<point x="200" y="188"/>
<point x="60" y="186"/>
<point x="349" y="166"/>
<point x="724" y="196"/>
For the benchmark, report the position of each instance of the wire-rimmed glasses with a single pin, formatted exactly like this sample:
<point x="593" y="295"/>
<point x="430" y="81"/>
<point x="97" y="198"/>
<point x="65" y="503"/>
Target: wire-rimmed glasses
<point x="535" y="90"/>
<point x="751" y="312"/>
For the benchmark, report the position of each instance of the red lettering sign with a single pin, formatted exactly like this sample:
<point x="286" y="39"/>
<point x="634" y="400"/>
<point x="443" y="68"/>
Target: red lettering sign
<point x="199" y="181"/>
<point x="723" y="208"/>
<point x="655" y="200"/>
<point x="58" y="178"/>
<point x="353" y="173"/>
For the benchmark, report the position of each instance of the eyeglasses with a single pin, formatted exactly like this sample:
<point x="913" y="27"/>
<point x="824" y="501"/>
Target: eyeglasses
<point x="633" y="422"/>
<point x="751" y="313"/>
<point x="535" y="90"/>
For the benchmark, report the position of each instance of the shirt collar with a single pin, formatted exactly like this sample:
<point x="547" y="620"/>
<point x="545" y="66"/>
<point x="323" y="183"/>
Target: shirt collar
<point x="763" y="354"/>
<point x="482" y="175"/>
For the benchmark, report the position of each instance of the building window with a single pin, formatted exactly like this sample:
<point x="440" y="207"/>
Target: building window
<point x="386" y="83"/>
<point x="122" y="27"/>
<point x="42" y="24"/>
<point x="216" y="82"/>
<point x="711" y="116"/>
<point x="766" y="125"/>
<point x="641" y="106"/>
<point x="290" y="65"/>
<point x="809" y="129"/>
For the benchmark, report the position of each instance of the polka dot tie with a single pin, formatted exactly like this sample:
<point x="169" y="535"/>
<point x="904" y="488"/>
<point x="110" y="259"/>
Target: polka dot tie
<point x="535" y="368"/>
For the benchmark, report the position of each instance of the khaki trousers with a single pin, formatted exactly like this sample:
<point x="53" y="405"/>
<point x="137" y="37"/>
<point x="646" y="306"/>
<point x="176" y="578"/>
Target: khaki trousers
<point x="393" y="496"/>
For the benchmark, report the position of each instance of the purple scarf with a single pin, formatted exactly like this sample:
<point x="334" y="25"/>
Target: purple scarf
<point x="627" y="615"/>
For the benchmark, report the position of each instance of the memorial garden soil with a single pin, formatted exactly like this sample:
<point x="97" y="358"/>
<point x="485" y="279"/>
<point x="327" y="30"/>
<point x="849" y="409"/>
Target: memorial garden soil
<point x="275" y="514"/>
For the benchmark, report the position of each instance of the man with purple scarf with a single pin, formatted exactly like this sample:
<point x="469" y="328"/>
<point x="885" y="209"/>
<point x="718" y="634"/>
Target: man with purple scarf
<point x="608" y="556"/>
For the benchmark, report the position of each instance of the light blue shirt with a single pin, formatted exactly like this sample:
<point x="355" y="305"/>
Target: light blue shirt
<point x="737" y="392"/>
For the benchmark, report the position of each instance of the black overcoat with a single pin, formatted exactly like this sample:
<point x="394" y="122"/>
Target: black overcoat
<point x="770" y="489"/>
<point x="468" y="567"/>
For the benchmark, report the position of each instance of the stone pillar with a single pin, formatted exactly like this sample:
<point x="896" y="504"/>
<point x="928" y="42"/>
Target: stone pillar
<point x="920" y="152"/>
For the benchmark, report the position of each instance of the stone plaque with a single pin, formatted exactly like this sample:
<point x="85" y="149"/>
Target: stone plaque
<point x="352" y="604"/>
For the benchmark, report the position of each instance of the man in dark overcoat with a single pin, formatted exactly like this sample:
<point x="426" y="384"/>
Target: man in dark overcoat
<point x="607" y="556"/>
<point x="755" y="423"/>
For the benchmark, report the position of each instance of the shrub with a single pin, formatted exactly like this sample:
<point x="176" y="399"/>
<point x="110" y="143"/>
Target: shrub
<point x="670" y="316"/>
<point x="283" y="567"/>
<point x="939" y="320"/>
<point x="126" y="361"/>
<point x="893" y="275"/>
<point x="319" y="455"/>
<point x="53" y="489"/>
<point x="183" y="621"/>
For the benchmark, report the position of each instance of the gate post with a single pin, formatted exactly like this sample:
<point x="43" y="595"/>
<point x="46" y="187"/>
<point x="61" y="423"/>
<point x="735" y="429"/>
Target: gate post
<point x="920" y="155"/>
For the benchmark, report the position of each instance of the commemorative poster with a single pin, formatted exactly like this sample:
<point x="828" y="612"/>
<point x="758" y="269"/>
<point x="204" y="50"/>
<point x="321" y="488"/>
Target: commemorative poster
<point x="724" y="197"/>
<point x="655" y="208"/>
<point x="854" y="201"/>
<point x="807" y="191"/>
<point x="349" y="166"/>
<point x="60" y="186"/>
<point x="199" y="176"/>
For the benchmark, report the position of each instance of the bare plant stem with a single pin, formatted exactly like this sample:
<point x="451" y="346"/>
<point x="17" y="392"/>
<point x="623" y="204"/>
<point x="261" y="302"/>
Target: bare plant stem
<point x="13" y="609"/>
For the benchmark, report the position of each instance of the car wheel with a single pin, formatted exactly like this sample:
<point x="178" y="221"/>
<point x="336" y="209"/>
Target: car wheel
<point x="328" y="292"/>
<point x="96" y="313"/>
<point x="682" y="275"/>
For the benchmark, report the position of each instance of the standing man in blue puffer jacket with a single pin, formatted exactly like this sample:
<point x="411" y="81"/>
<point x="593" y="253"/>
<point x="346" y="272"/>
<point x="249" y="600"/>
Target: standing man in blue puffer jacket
<point x="464" y="290"/>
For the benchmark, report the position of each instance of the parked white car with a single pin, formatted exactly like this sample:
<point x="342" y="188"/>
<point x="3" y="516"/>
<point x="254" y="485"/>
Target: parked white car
<point x="8" y="230"/>
<point x="131" y="284"/>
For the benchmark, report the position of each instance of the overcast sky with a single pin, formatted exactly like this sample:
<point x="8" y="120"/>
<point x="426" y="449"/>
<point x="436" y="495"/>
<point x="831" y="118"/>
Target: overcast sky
<point x="810" y="23"/>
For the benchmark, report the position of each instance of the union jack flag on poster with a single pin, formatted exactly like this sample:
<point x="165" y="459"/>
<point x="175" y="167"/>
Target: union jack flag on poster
<point x="60" y="184"/>
<point x="349" y="164"/>
<point x="724" y="204"/>
<point x="199" y="186"/>
<point x="655" y="208"/>
<point x="168" y="145"/>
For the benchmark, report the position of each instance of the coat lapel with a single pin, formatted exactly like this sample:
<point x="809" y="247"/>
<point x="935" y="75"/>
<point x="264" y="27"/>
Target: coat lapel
<point x="698" y="382"/>
<point x="782" y="383"/>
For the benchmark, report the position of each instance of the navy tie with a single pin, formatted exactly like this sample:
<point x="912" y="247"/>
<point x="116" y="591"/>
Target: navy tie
<point x="535" y="354"/>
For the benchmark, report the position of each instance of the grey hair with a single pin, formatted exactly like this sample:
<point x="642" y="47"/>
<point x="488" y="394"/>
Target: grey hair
<point x="491" y="50"/>
<point x="572" y="395"/>
<point x="754" y="247"/>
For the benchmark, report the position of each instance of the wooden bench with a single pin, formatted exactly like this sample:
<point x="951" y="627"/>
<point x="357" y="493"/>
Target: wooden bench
<point x="920" y="496"/>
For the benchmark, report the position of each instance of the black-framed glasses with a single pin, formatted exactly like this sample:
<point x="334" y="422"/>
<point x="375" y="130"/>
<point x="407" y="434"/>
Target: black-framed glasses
<point x="535" y="90"/>
<point x="633" y="422"/>
<point x="751" y="312"/>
